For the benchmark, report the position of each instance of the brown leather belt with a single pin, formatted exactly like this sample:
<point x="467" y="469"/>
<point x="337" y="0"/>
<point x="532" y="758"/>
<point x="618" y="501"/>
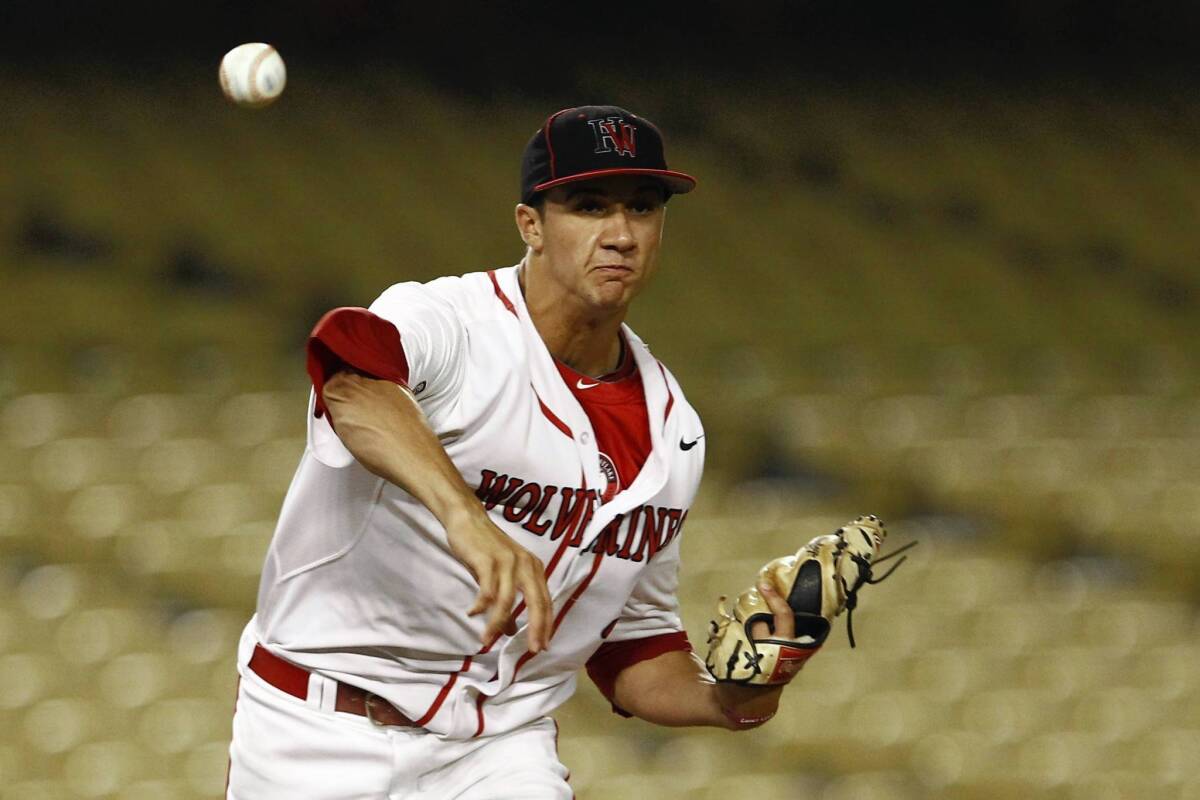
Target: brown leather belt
<point x="287" y="677"/>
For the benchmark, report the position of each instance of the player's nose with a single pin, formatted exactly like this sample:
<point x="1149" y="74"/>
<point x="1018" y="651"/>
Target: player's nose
<point x="618" y="232"/>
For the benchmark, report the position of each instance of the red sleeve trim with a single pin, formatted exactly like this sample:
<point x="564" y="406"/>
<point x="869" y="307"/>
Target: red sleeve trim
<point x="356" y="338"/>
<point x="607" y="663"/>
<point x="500" y="293"/>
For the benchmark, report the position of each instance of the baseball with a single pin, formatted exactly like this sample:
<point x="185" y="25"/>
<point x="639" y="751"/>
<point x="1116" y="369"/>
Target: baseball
<point x="252" y="74"/>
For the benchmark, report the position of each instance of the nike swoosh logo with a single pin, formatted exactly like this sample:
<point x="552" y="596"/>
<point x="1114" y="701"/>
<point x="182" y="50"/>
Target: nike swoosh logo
<point x="579" y="384"/>
<point x="689" y="445"/>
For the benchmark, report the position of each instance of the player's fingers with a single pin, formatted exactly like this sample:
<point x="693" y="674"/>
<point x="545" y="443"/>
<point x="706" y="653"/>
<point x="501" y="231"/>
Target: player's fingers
<point x="502" y="605"/>
<point x="488" y="585"/>
<point x="537" y="600"/>
<point x="547" y="609"/>
<point x="785" y="619"/>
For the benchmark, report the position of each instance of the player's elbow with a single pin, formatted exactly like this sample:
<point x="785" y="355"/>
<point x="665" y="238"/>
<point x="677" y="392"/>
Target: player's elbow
<point x="358" y="406"/>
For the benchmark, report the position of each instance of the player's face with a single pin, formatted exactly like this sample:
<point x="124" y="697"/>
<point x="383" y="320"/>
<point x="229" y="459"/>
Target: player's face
<point x="600" y="238"/>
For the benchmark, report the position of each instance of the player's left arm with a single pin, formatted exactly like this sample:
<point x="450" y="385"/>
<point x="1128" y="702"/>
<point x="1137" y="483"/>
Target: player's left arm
<point x="760" y="642"/>
<point x="675" y="689"/>
<point x="646" y="668"/>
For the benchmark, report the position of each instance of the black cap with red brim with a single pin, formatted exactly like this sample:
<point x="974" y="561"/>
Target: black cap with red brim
<point x="588" y="142"/>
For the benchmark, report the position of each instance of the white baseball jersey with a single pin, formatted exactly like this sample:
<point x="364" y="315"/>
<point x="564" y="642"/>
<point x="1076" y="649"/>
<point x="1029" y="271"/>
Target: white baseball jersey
<point x="359" y="583"/>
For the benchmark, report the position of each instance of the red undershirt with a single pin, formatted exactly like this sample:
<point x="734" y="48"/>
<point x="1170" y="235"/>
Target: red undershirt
<point x="616" y="406"/>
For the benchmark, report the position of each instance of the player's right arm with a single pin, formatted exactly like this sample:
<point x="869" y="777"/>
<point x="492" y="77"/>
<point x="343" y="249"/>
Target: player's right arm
<point x="381" y="424"/>
<point x="361" y="363"/>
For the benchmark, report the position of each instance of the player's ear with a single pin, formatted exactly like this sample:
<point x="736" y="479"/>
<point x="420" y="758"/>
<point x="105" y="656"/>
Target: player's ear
<point x="529" y="225"/>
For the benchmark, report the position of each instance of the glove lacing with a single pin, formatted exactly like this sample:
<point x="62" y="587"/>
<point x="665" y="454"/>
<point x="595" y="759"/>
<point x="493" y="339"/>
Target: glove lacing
<point x="865" y="578"/>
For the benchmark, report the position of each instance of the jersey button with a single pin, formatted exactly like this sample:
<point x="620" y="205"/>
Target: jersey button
<point x="585" y="437"/>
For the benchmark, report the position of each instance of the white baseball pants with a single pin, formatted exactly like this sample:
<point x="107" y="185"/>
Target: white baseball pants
<point x="283" y="748"/>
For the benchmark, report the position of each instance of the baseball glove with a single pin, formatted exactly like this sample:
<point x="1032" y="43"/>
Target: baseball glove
<point x="820" y="581"/>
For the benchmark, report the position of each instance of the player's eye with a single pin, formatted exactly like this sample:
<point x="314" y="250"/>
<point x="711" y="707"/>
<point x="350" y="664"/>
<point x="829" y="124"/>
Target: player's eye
<point x="590" y="205"/>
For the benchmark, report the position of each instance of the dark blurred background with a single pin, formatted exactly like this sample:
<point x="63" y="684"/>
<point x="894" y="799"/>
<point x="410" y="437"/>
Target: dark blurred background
<point x="941" y="266"/>
<point x="455" y="42"/>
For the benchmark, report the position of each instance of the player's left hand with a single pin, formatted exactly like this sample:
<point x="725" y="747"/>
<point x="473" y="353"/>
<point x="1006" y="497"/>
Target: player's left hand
<point x="773" y="629"/>
<point x="784" y="618"/>
<point x="750" y="706"/>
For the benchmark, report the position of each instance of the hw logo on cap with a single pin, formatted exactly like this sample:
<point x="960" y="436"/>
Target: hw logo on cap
<point x="614" y="134"/>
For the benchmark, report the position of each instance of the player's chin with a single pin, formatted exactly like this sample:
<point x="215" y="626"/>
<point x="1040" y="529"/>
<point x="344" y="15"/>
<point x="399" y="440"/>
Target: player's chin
<point x="615" y="291"/>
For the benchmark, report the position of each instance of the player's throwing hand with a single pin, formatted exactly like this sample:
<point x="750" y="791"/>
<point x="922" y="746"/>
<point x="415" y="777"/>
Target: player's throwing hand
<point x="502" y="568"/>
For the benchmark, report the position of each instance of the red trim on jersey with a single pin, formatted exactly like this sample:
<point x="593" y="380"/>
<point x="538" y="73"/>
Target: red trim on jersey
<point x="670" y="396"/>
<point x="607" y="663"/>
<point x="520" y="663"/>
<point x="479" y="714"/>
<point x="562" y="547"/>
<point x="550" y="415"/>
<point x="599" y="559"/>
<point x="441" y="696"/>
<point x="553" y="562"/>
<point x="567" y="535"/>
<point x="354" y="337"/>
<point x="500" y="293"/>
<point x="563" y="611"/>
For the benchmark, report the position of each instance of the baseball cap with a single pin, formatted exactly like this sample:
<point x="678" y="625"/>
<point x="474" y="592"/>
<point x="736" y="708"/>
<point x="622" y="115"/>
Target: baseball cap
<point x="592" y="142"/>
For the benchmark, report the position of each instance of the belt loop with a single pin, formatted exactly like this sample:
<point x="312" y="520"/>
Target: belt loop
<point x="314" y="690"/>
<point x="325" y="690"/>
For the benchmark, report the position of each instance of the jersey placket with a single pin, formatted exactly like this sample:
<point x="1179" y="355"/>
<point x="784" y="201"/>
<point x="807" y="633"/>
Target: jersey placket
<point x="560" y="407"/>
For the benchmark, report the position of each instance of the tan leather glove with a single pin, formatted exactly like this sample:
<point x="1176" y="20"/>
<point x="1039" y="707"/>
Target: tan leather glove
<point x="819" y="582"/>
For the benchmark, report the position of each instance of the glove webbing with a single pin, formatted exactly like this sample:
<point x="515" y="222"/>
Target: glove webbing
<point x="865" y="578"/>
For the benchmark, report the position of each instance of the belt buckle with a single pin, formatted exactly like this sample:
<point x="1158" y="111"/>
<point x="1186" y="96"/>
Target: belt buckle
<point x="367" y="701"/>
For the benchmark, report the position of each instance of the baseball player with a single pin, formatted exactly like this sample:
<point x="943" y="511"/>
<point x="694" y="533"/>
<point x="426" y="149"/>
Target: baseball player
<point x="496" y="477"/>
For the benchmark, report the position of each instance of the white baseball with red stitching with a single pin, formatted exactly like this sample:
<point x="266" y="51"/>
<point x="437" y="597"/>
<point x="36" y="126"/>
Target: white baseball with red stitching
<point x="252" y="74"/>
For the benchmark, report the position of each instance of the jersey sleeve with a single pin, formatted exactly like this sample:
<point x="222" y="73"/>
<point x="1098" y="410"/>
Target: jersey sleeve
<point x="434" y="339"/>
<point x="356" y="338"/>
<point x="649" y="625"/>
<point x="409" y="335"/>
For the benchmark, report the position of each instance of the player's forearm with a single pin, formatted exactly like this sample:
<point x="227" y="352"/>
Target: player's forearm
<point x="382" y="426"/>
<point x="672" y="689"/>
<point x="676" y="690"/>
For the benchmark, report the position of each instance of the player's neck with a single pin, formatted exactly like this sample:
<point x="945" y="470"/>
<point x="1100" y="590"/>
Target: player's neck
<point x="585" y="339"/>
